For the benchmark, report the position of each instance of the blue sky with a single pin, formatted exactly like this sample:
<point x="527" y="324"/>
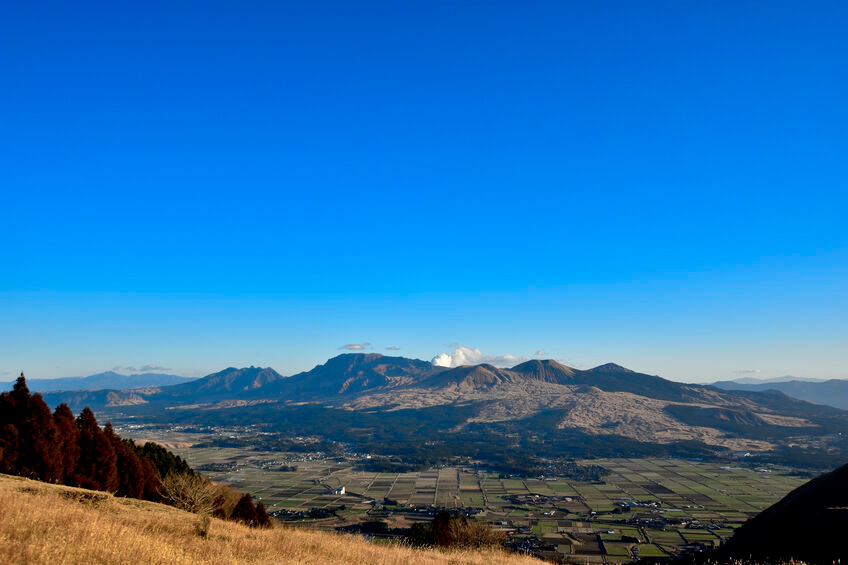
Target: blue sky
<point x="199" y="185"/>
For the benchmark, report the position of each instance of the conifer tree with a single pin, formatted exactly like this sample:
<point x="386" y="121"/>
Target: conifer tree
<point x="8" y="444"/>
<point x="97" y="466"/>
<point x="69" y="434"/>
<point x="152" y="482"/>
<point x="245" y="512"/>
<point x="130" y="471"/>
<point x="39" y="430"/>
<point x="39" y="453"/>
<point x="262" y="518"/>
<point x="9" y="436"/>
<point x="20" y="391"/>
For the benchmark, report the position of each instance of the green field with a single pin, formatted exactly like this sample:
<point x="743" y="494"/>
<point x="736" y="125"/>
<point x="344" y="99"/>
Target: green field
<point x="673" y="505"/>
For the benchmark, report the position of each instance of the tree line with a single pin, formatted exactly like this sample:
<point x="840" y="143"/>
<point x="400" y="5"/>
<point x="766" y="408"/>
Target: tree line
<point x="60" y="448"/>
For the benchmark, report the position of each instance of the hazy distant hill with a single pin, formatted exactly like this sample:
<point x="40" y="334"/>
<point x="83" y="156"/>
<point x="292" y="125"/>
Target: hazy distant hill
<point x="783" y="379"/>
<point x="107" y="380"/>
<point x="831" y="393"/>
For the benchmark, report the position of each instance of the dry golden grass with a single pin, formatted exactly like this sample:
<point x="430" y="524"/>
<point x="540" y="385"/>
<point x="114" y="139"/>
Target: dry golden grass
<point x="43" y="523"/>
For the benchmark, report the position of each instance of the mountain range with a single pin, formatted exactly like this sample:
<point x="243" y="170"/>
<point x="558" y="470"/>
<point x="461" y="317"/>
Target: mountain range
<point x="608" y="405"/>
<point x="833" y="392"/>
<point x="783" y="379"/>
<point x="106" y="380"/>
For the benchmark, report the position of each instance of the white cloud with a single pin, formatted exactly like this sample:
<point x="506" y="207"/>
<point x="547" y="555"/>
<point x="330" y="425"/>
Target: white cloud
<point x="356" y="346"/>
<point x="539" y="353"/>
<point x="463" y="355"/>
<point x="393" y="348"/>
<point x="747" y="372"/>
<point x="133" y="369"/>
<point x="155" y="368"/>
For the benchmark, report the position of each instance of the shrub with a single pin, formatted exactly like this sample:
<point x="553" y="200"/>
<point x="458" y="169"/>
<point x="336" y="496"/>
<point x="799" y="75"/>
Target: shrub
<point x="447" y="530"/>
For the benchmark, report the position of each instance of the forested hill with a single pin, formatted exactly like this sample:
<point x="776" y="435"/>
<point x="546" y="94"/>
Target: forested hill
<point x="59" y="448"/>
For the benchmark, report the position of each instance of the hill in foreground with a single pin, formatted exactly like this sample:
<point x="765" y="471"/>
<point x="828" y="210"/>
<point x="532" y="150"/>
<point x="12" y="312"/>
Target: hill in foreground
<point x="808" y="524"/>
<point x="46" y="523"/>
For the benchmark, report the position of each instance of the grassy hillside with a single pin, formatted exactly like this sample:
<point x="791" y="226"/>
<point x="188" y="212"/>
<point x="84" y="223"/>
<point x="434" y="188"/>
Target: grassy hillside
<point x="45" y="523"/>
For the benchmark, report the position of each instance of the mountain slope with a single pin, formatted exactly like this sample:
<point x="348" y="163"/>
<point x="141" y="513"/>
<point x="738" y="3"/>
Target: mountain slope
<point x="808" y="524"/>
<point x="546" y="370"/>
<point x="351" y="374"/>
<point x="227" y="382"/>
<point x="46" y="523"/>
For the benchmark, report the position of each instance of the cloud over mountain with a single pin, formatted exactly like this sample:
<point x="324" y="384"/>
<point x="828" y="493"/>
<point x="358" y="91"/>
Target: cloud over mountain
<point x="463" y="355"/>
<point x="144" y="368"/>
<point x="356" y="346"/>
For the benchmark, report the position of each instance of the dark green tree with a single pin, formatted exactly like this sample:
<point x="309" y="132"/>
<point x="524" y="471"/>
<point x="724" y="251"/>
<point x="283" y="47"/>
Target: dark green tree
<point x="163" y="460"/>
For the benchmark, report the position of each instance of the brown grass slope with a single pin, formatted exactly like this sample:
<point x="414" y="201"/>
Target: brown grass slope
<point x="45" y="523"/>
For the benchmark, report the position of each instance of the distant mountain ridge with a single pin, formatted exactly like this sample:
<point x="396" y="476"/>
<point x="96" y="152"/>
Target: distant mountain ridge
<point x="228" y="381"/>
<point x="608" y="400"/>
<point x="783" y="379"/>
<point x="354" y="373"/>
<point x="830" y="393"/>
<point x="105" y="380"/>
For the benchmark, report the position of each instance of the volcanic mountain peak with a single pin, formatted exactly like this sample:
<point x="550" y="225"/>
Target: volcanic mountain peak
<point x="349" y="364"/>
<point x="355" y="358"/>
<point x="546" y="370"/>
<point x="350" y="373"/>
<point x="610" y="368"/>
<point x="472" y="377"/>
<point x="229" y="380"/>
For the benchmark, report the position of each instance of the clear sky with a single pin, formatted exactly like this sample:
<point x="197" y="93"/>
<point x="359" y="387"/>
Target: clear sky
<point x="195" y="185"/>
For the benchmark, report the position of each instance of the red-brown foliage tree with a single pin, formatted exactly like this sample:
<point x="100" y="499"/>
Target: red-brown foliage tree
<point x="69" y="438"/>
<point x="245" y="512"/>
<point x="262" y="518"/>
<point x="30" y="439"/>
<point x="131" y="472"/>
<point x="97" y="468"/>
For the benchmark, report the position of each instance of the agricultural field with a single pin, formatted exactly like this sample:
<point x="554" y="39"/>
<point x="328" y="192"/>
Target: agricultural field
<point x="643" y="508"/>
